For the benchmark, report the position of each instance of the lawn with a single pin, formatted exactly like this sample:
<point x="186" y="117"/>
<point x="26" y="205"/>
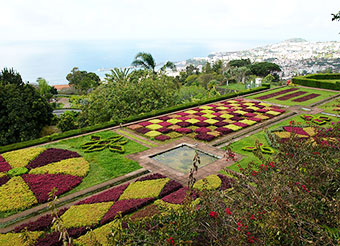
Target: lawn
<point x="260" y="136"/>
<point x="332" y="107"/>
<point x="299" y="92"/>
<point x="104" y="165"/>
<point x="234" y="86"/>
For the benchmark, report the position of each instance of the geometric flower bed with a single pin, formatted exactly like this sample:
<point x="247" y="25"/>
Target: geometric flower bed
<point x="276" y="94"/>
<point x="28" y="175"/>
<point x="115" y="144"/>
<point x="209" y="121"/>
<point x="100" y="210"/>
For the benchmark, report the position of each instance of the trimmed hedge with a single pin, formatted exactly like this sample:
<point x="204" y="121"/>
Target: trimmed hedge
<point x="71" y="133"/>
<point x="325" y="81"/>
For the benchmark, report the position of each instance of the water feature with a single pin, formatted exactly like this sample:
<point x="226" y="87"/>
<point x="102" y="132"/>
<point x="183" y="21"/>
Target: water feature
<point x="180" y="158"/>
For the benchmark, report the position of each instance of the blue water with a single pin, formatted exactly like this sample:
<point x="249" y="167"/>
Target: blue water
<point x="53" y="60"/>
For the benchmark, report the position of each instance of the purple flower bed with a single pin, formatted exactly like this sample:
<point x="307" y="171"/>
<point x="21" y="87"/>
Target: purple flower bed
<point x="184" y="130"/>
<point x="202" y="130"/>
<point x="170" y="187"/>
<point x="250" y="115"/>
<point x="106" y="196"/>
<point x="151" y="177"/>
<point x="226" y="182"/>
<point x="306" y="98"/>
<point x="223" y="130"/>
<point x="183" y="118"/>
<point x="297" y="130"/>
<point x="42" y="184"/>
<point x="182" y="114"/>
<point x="278" y="110"/>
<point x="164" y="130"/>
<point x="142" y="130"/>
<point x="218" y="118"/>
<point x="125" y="207"/>
<point x="162" y="137"/>
<point x="199" y="113"/>
<point x="165" y="118"/>
<point x="4" y="166"/>
<point x="289" y="96"/>
<point x="276" y="94"/>
<point x="179" y="196"/>
<point x="50" y="156"/>
<point x="261" y="110"/>
<point x="201" y="118"/>
<point x="41" y="224"/>
<point x="220" y="123"/>
<point x="2" y="159"/>
<point x="4" y="179"/>
<point x="217" y="114"/>
<point x="201" y="124"/>
<point x="183" y="124"/>
<point x="204" y="137"/>
<point x="240" y="124"/>
<point x="51" y="239"/>
<point x="236" y="118"/>
<point x="255" y="119"/>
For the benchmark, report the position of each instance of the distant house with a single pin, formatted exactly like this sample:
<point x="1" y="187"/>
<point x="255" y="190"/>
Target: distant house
<point x="60" y="87"/>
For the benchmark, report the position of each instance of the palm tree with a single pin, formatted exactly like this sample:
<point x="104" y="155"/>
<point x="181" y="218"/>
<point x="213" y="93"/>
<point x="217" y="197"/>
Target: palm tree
<point x="170" y="65"/>
<point x="144" y="60"/>
<point x="119" y="75"/>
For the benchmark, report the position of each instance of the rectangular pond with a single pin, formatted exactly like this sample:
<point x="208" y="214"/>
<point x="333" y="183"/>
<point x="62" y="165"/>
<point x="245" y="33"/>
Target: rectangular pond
<point x="180" y="158"/>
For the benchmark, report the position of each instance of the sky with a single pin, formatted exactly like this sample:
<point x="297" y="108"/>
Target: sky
<point x="191" y="20"/>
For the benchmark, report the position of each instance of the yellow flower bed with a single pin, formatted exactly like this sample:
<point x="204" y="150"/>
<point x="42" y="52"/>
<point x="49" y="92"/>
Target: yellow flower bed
<point x="16" y="239"/>
<point x="144" y="189"/>
<point x="16" y="194"/>
<point x="73" y="166"/>
<point x="85" y="214"/>
<point x="210" y="182"/>
<point x="22" y="157"/>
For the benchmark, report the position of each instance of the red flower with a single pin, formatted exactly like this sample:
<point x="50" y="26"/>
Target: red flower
<point x="252" y="217"/>
<point x="170" y="240"/>
<point x="227" y="210"/>
<point x="213" y="214"/>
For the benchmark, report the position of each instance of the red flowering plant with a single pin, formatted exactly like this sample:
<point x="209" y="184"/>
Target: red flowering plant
<point x="292" y="198"/>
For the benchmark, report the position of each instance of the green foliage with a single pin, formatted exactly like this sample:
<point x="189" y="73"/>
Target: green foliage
<point x="17" y="171"/>
<point x="44" y="89"/>
<point x="239" y="63"/>
<point x="114" y="144"/>
<point x="192" y="93"/>
<point x="23" y="112"/>
<point x="336" y="17"/>
<point x="68" y="121"/>
<point x="264" y="68"/>
<point x="82" y="80"/>
<point x="145" y="61"/>
<point x="325" y="81"/>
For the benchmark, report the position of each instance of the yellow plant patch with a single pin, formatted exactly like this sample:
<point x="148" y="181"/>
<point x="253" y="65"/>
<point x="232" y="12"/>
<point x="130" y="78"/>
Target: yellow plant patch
<point x="22" y="157"/>
<point x="16" y="239"/>
<point x="211" y="182"/>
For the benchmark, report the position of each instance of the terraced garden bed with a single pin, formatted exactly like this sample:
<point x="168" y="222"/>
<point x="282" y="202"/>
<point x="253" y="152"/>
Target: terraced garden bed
<point x="293" y="96"/>
<point x="28" y="175"/>
<point x="98" y="212"/>
<point x="332" y="107"/>
<point x="207" y="122"/>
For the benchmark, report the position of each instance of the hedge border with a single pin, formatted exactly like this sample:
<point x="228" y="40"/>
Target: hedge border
<point x="325" y="81"/>
<point x="71" y="133"/>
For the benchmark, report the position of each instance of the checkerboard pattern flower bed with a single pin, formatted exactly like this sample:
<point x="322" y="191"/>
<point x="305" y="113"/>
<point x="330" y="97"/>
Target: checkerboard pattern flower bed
<point x="208" y="122"/>
<point x="28" y="175"/>
<point x="101" y="209"/>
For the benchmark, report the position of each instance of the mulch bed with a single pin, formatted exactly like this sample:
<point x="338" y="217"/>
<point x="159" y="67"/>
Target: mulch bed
<point x="276" y="93"/>
<point x="306" y="98"/>
<point x="289" y="96"/>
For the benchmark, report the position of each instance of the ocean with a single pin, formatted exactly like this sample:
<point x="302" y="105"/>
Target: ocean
<point x="53" y="60"/>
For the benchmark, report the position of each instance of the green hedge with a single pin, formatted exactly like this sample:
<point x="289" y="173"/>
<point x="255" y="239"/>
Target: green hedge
<point x="325" y="81"/>
<point x="58" y="136"/>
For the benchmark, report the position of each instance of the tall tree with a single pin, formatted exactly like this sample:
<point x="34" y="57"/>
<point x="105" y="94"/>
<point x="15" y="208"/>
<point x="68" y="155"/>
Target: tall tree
<point x="239" y="62"/>
<point x="23" y="112"/>
<point x="44" y="89"/>
<point x="264" y="68"/>
<point x="336" y="17"/>
<point x="169" y="65"/>
<point x="118" y="75"/>
<point x="145" y="61"/>
<point x="82" y="80"/>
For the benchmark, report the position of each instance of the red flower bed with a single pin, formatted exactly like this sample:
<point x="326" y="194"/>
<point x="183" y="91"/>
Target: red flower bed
<point x="51" y="239"/>
<point x="201" y="118"/>
<point x="217" y="114"/>
<point x="183" y="118"/>
<point x="42" y="184"/>
<point x="171" y="186"/>
<point x="182" y="114"/>
<point x="142" y="130"/>
<point x="204" y="137"/>
<point x="41" y="224"/>
<point x="218" y="118"/>
<point x="220" y="123"/>
<point x="179" y="196"/>
<point x="223" y="130"/>
<point x="240" y="124"/>
<point x="162" y="137"/>
<point x="4" y="166"/>
<point x="202" y="130"/>
<point x="145" y="123"/>
<point x="289" y="96"/>
<point x="250" y="115"/>
<point x="151" y="177"/>
<point x="306" y="98"/>
<point x="3" y="180"/>
<point x="297" y="130"/>
<point x="184" y="130"/>
<point x="165" y="124"/>
<point x="276" y="93"/>
<point x="226" y="182"/>
<point x="201" y="124"/>
<point x="164" y="130"/>
<point x="183" y="124"/>
<point x="165" y="118"/>
<point x="261" y="110"/>
<point x="236" y="118"/>
<point x="106" y="196"/>
<point x="255" y="119"/>
<point x="125" y="207"/>
<point x="50" y="156"/>
<point x="2" y="159"/>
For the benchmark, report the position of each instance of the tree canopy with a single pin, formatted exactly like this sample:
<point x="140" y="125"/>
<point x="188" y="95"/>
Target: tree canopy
<point x="82" y="80"/>
<point x="23" y="112"/>
<point x="239" y="62"/>
<point x="264" y="68"/>
<point x="145" y="61"/>
<point x="336" y="17"/>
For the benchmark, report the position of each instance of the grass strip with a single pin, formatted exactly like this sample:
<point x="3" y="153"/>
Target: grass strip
<point x="136" y="138"/>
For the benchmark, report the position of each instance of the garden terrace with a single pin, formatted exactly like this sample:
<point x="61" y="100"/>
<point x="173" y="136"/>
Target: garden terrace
<point x="294" y="96"/>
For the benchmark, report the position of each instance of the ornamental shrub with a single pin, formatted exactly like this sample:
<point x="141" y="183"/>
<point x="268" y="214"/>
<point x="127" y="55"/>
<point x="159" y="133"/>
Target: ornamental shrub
<point x="292" y="198"/>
